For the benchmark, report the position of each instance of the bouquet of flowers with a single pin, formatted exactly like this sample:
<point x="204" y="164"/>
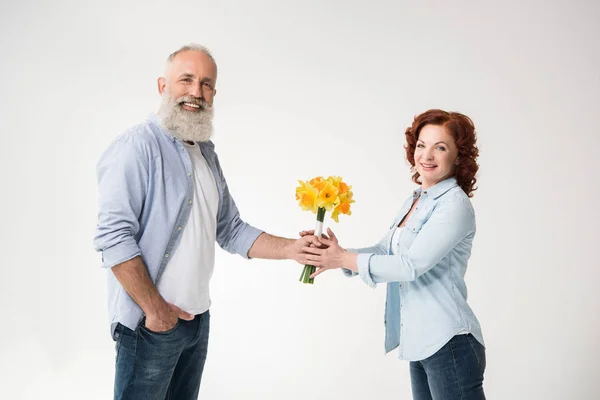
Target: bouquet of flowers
<point x="320" y="195"/>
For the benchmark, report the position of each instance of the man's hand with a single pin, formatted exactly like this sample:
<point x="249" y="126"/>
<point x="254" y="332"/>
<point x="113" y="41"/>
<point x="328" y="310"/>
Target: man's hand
<point x="167" y="318"/>
<point x="329" y="256"/>
<point x="331" y="236"/>
<point x="295" y="249"/>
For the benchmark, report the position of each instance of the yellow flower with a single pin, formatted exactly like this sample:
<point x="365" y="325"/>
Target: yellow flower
<point x="343" y="207"/>
<point x="306" y="195"/>
<point x="332" y="194"/>
<point x="328" y="197"/>
<point x="318" y="183"/>
<point x="335" y="180"/>
<point x="338" y="183"/>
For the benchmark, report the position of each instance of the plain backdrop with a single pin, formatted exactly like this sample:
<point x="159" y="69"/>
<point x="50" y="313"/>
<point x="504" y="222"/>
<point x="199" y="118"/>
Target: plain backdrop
<point x="308" y="88"/>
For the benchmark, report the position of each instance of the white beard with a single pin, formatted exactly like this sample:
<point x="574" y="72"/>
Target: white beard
<point x="192" y="126"/>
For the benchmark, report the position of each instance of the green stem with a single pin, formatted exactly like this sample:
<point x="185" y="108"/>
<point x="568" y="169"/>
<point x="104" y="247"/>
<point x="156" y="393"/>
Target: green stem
<point x="310" y="269"/>
<point x="321" y="214"/>
<point x="302" y="276"/>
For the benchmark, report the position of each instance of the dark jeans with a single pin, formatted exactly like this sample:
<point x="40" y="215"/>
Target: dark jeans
<point x="455" y="372"/>
<point x="165" y="365"/>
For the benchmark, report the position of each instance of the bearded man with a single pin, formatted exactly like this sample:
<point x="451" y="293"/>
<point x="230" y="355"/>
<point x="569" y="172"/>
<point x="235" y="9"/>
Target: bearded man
<point x="164" y="202"/>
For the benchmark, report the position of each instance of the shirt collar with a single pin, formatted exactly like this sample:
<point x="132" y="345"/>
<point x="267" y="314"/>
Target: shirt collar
<point x="438" y="189"/>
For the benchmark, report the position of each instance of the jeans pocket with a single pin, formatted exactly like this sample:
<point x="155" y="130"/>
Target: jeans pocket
<point x="478" y="350"/>
<point x="143" y="326"/>
<point x="118" y="339"/>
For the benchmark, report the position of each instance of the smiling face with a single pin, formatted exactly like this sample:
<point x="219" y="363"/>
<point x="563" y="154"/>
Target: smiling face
<point x="435" y="155"/>
<point x="188" y="91"/>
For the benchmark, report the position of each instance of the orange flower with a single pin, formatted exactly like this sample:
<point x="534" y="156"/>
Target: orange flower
<point x="343" y="187"/>
<point x="343" y="207"/>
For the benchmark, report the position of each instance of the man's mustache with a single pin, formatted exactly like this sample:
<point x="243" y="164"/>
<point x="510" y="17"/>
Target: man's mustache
<point x="192" y="100"/>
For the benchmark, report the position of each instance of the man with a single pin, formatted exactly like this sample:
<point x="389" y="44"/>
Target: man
<point x="164" y="202"/>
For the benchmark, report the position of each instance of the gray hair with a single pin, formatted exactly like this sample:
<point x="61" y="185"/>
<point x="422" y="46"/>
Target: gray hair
<point x="191" y="47"/>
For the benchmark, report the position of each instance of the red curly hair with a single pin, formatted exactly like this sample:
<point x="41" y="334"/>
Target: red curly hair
<point x="462" y="129"/>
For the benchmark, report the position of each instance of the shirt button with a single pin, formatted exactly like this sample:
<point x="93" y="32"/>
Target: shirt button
<point x="190" y="202"/>
<point x="167" y="255"/>
<point x="179" y="228"/>
<point x="189" y="174"/>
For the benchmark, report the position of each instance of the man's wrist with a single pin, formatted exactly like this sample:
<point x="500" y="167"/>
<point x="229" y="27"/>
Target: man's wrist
<point x="157" y="307"/>
<point x="289" y="249"/>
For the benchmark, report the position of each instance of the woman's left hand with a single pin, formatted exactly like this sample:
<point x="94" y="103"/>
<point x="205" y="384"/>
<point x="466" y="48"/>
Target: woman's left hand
<point x="333" y="257"/>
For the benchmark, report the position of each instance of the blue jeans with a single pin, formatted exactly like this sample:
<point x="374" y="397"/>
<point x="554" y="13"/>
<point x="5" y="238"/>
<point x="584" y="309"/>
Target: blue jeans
<point x="455" y="372"/>
<point x="158" y="366"/>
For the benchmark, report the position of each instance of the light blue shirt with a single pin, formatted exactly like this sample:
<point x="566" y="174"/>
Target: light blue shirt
<point x="426" y="302"/>
<point x="145" y="187"/>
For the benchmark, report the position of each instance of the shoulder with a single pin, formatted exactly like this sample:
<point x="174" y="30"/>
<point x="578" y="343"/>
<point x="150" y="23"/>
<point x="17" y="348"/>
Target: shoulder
<point x="140" y="143"/>
<point x="456" y="200"/>
<point x="143" y="136"/>
<point x="144" y="140"/>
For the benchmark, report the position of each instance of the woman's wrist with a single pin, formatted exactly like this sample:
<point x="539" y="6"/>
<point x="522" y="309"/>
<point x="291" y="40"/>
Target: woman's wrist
<point x="350" y="261"/>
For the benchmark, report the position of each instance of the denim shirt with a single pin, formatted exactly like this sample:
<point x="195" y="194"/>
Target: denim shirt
<point x="145" y="187"/>
<point x="426" y="301"/>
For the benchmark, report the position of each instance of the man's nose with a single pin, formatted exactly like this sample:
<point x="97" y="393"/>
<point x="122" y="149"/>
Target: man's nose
<point x="196" y="91"/>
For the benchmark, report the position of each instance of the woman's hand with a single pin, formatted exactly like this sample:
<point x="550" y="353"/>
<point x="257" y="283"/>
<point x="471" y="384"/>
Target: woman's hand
<point x="332" y="256"/>
<point x="324" y="236"/>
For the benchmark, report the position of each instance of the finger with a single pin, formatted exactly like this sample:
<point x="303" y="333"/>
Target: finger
<point x="186" y="316"/>
<point x="180" y="313"/>
<point x="313" y="250"/>
<point x="316" y="241"/>
<point x="306" y="233"/>
<point x="328" y="242"/>
<point x="324" y="236"/>
<point x="312" y="241"/>
<point x="318" y="272"/>
<point x="331" y="234"/>
<point x="312" y="260"/>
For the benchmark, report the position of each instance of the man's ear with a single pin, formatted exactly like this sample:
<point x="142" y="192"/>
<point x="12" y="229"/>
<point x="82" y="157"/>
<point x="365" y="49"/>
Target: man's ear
<point x="162" y="84"/>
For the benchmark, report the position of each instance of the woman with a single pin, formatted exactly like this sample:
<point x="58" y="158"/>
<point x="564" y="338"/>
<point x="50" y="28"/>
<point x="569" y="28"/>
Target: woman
<point x="423" y="258"/>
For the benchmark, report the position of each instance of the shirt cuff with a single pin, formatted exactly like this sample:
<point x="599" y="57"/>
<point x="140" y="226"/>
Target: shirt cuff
<point x="363" y="269"/>
<point x="120" y="253"/>
<point x="250" y="235"/>
<point x="349" y="273"/>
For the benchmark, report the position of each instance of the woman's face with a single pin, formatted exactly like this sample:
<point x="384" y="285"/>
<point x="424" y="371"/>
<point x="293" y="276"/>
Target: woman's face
<point x="435" y="155"/>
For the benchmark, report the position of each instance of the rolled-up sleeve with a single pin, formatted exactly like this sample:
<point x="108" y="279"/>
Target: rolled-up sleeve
<point x="122" y="185"/>
<point x="449" y="224"/>
<point x="365" y="253"/>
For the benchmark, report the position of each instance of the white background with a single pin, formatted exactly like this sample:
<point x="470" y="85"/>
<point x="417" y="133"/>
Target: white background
<point x="308" y="88"/>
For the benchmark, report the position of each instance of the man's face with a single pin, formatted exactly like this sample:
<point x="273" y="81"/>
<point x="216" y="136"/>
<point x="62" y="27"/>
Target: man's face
<point x="193" y="74"/>
<point x="188" y="91"/>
